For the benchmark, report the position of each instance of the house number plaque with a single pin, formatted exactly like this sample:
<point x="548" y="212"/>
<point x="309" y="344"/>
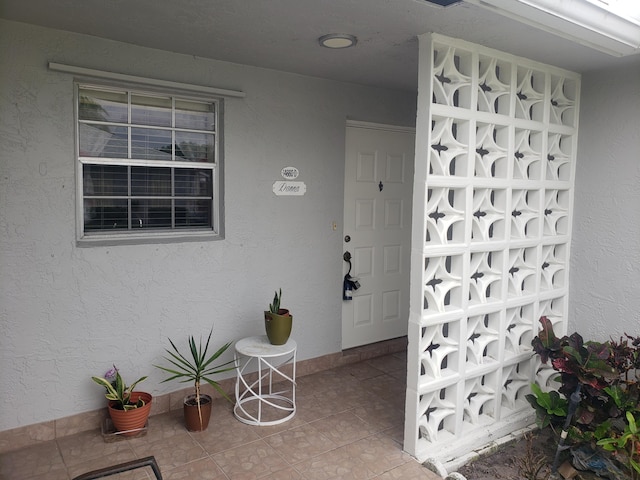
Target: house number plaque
<point x="289" y="173"/>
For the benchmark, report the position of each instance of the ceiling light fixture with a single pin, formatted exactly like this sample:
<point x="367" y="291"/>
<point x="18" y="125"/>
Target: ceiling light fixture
<point x="337" y="40"/>
<point x="443" y="3"/>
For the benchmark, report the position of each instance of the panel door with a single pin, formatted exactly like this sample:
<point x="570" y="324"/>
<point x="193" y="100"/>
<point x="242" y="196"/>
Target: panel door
<point x="377" y="225"/>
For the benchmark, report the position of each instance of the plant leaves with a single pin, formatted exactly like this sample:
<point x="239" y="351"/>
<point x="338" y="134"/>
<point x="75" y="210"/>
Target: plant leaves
<point x="632" y="423"/>
<point x="198" y="367"/>
<point x="546" y="344"/>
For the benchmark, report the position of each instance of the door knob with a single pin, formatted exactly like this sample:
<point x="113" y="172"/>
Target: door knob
<point x="347" y="256"/>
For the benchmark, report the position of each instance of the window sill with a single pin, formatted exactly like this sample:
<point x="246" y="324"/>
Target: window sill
<point x="101" y="240"/>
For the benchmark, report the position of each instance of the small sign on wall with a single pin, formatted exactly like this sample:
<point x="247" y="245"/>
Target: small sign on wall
<point x="288" y="187"/>
<point x="289" y="173"/>
<point x="282" y="188"/>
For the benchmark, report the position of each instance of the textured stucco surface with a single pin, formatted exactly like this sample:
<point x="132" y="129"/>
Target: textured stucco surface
<point x="605" y="255"/>
<point x="68" y="312"/>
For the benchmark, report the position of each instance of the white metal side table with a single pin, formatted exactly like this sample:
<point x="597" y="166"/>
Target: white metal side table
<point x="256" y="401"/>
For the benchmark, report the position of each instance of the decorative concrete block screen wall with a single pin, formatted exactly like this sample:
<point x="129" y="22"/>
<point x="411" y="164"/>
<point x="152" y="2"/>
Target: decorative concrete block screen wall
<point x="493" y="193"/>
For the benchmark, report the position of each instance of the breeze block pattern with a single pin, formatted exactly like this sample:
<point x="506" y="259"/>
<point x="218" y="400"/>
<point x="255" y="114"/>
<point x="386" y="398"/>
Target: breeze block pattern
<point x="493" y="192"/>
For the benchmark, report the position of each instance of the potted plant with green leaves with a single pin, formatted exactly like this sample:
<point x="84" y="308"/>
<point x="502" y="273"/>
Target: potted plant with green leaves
<point x="129" y="409"/>
<point x="197" y="366"/>
<point x="278" y="321"/>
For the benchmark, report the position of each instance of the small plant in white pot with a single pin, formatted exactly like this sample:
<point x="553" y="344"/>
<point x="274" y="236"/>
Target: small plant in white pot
<point x="197" y="367"/>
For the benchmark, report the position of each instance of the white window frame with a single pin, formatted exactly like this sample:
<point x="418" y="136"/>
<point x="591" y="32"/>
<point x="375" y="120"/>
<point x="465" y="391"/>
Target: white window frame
<point x="214" y="232"/>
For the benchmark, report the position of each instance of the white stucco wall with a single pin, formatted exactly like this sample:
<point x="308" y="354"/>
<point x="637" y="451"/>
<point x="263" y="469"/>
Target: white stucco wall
<point x="605" y="255"/>
<point x="67" y="313"/>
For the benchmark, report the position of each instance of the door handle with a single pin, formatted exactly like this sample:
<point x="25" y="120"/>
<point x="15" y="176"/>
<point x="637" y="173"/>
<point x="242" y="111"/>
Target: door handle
<point x="347" y="258"/>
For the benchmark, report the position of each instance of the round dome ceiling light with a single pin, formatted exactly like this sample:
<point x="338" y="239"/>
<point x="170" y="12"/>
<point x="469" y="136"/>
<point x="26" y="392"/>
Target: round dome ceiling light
<point x="338" y="40"/>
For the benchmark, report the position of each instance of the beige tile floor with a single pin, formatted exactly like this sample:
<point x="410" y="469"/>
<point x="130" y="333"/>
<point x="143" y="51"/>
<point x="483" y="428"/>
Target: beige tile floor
<point x="348" y="425"/>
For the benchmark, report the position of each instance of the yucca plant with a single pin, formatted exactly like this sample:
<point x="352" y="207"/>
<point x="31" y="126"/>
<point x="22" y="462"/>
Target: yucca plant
<point x="197" y="367"/>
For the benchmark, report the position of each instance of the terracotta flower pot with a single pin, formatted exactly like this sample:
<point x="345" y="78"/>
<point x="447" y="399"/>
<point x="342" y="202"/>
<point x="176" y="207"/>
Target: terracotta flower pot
<point x="131" y="421"/>
<point x="278" y="326"/>
<point x="191" y="416"/>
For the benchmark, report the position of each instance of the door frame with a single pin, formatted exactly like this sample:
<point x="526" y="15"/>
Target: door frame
<point x="379" y="126"/>
<point x="371" y="126"/>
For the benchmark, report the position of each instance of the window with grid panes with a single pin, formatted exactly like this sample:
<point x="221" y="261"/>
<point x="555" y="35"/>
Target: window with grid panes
<point x="149" y="164"/>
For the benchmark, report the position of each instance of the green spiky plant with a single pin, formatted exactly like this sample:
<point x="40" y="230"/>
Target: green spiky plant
<point x="275" y="306"/>
<point x="198" y="367"/>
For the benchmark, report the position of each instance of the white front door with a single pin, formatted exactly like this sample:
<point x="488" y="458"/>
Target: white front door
<point x="377" y="231"/>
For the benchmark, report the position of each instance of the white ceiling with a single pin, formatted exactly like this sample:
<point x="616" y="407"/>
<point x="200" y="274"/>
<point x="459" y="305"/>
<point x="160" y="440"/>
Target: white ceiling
<point x="282" y="34"/>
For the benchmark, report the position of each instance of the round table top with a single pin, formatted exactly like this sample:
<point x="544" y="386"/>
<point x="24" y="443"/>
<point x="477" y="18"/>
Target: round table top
<point x="259" y="346"/>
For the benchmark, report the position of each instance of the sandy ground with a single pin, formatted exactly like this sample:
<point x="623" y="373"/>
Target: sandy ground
<point x="518" y="460"/>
